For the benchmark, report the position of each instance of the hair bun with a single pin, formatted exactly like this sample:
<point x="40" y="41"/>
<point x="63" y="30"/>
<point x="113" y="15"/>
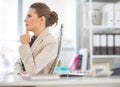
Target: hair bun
<point x="53" y="18"/>
<point x="54" y="14"/>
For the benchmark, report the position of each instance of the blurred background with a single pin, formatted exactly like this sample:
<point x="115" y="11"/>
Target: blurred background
<point x="12" y="15"/>
<point x="81" y="19"/>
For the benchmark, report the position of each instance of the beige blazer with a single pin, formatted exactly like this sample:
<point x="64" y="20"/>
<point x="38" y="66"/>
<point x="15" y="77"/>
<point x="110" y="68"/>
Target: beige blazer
<point x="38" y="58"/>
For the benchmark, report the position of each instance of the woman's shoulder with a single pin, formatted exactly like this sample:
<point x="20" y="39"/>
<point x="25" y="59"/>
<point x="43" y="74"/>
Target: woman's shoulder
<point x="50" y="37"/>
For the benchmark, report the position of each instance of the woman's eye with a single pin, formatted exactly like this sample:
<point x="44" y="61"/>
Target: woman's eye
<point x="28" y="15"/>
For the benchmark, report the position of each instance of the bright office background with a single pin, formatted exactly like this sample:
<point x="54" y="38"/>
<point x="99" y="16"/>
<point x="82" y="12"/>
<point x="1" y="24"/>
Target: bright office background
<point x="12" y="15"/>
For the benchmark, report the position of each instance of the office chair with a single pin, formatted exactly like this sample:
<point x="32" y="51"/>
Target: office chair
<point x="59" y="50"/>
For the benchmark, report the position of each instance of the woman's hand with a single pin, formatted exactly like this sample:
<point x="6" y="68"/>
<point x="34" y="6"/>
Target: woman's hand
<point x="22" y="72"/>
<point x="25" y="38"/>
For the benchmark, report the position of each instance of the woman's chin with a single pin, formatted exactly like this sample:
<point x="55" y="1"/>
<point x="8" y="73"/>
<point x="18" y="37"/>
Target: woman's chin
<point x="28" y="29"/>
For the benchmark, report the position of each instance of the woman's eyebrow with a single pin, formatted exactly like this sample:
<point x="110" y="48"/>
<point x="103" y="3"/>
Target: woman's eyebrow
<point x="28" y="15"/>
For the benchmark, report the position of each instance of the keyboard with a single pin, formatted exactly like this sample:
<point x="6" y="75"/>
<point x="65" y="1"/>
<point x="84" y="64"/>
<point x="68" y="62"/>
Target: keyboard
<point x="74" y="73"/>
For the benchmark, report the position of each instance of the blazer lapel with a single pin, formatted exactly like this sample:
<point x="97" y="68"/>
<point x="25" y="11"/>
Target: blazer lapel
<point x="39" y="40"/>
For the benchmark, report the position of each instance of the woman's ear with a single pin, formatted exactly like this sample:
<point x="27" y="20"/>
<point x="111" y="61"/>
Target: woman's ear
<point x="42" y="20"/>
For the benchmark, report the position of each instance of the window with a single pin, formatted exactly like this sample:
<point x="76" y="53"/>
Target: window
<point x="8" y="34"/>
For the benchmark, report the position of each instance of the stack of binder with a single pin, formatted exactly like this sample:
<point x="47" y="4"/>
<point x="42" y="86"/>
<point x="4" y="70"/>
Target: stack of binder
<point x="106" y="44"/>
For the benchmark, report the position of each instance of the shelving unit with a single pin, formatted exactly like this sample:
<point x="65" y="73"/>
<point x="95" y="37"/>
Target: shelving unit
<point x="102" y="28"/>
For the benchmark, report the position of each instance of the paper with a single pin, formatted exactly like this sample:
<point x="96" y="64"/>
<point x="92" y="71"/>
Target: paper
<point x="39" y="77"/>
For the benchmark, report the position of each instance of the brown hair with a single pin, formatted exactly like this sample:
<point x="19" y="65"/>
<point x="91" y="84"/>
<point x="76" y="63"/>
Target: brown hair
<point x="43" y="10"/>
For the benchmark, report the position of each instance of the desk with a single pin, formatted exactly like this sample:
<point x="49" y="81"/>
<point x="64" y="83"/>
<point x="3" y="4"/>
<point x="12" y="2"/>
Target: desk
<point x="12" y="80"/>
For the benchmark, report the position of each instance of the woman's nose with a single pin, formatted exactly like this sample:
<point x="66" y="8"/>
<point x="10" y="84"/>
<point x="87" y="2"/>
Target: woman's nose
<point x="25" y="19"/>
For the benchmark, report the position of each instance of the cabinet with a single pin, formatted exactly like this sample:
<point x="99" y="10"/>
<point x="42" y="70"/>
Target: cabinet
<point x="102" y="20"/>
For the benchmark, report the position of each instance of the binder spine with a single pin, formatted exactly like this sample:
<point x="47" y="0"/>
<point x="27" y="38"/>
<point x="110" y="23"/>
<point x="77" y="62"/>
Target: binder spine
<point x="96" y="50"/>
<point x="110" y="44"/>
<point x="117" y="44"/>
<point x="79" y="66"/>
<point x="96" y="44"/>
<point x="103" y="44"/>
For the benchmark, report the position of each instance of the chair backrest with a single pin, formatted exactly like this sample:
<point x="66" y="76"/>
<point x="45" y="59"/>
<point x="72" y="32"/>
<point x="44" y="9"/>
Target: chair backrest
<point x="60" y="41"/>
<point x="59" y="50"/>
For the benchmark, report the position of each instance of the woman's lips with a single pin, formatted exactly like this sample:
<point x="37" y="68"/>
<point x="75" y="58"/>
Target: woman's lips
<point x="26" y="25"/>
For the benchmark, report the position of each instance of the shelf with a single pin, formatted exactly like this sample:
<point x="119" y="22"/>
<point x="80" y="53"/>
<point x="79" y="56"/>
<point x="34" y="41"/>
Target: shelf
<point x="99" y="20"/>
<point x="114" y="29"/>
<point x="104" y="27"/>
<point x="106" y="1"/>
<point x="105" y="56"/>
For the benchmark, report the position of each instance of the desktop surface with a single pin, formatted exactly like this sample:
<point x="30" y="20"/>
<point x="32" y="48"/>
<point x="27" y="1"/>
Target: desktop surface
<point x="13" y="80"/>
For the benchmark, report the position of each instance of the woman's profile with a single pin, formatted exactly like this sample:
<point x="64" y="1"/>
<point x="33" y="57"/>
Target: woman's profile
<point x="38" y="53"/>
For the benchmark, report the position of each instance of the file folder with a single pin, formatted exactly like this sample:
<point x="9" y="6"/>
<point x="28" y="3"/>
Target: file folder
<point x="96" y="44"/>
<point x="117" y="44"/>
<point x="79" y="65"/>
<point x="117" y="15"/>
<point x="74" y="63"/>
<point x="110" y="44"/>
<point x="84" y="58"/>
<point x="103" y="44"/>
<point x="108" y="15"/>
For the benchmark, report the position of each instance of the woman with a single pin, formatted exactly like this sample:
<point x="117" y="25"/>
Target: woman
<point x="38" y="54"/>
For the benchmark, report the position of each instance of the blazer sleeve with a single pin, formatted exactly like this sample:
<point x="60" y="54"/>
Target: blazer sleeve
<point x="35" y="65"/>
<point x="17" y="67"/>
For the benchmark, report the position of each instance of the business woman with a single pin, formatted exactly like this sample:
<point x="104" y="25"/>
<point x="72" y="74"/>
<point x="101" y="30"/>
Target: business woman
<point x="38" y="54"/>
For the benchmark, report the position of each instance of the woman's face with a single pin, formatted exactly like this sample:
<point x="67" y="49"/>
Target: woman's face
<point x="32" y="21"/>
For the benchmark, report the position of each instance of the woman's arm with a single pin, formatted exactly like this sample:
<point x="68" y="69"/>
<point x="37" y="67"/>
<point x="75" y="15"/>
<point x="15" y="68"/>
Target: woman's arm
<point x="35" y="65"/>
<point x="18" y="67"/>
